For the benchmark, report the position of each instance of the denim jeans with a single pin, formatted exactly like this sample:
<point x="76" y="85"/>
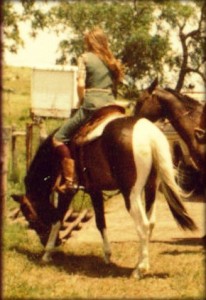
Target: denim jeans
<point x="68" y="129"/>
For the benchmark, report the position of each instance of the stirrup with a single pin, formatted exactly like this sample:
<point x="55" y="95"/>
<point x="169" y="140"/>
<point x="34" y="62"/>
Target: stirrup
<point x="67" y="186"/>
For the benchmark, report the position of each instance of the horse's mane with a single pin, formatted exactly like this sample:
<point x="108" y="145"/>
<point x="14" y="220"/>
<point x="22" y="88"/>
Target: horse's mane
<point x="190" y="102"/>
<point x="38" y="181"/>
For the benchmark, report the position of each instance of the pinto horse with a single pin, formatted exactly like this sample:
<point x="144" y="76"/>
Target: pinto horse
<point x="187" y="116"/>
<point x="129" y="155"/>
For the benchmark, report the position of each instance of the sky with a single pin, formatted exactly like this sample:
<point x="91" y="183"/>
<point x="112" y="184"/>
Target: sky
<point x="38" y="51"/>
<point x="41" y="50"/>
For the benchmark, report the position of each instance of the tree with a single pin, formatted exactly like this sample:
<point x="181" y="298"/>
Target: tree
<point x="189" y="21"/>
<point x="139" y="32"/>
<point x="12" y="19"/>
<point x="10" y="28"/>
<point x="128" y="25"/>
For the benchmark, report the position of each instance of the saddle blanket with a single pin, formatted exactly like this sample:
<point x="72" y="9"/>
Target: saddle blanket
<point x="95" y="126"/>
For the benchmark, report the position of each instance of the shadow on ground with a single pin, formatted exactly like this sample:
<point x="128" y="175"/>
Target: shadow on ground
<point x="88" y="265"/>
<point x="196" y="241"/>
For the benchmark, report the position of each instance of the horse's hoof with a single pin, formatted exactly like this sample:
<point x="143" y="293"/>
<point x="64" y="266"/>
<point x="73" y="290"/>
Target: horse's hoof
<point x="137" y="275"/>
<point x="107" y="258"/>
<point x="139" y="272"/>
<point x="46" y="258"/>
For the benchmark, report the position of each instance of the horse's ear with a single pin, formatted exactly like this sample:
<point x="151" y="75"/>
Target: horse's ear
<point x="18" y="198"/>
<point x="153" y="85"/>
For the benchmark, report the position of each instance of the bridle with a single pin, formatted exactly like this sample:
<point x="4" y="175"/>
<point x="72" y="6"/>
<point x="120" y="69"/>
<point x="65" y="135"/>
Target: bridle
<point x="185" y="114"/>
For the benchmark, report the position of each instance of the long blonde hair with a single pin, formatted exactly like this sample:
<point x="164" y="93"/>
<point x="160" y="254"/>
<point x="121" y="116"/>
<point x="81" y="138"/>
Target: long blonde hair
<point x="96" y="42"/>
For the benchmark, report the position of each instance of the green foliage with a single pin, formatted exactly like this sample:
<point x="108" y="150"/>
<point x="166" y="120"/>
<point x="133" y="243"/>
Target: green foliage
<point x="12" y="39"/>
<point x="128" y="27"/>
<point x="139" y="32"/>
<point x="176" y="13"/>
<point x="188" y="20"/>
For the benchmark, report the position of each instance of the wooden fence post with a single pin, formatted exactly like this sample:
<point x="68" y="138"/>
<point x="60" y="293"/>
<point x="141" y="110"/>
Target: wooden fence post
<point x="6" y="137"/>
<point x="42" y="131"/>
<point x="15" y="175"/>
<point x="29" y="138"/>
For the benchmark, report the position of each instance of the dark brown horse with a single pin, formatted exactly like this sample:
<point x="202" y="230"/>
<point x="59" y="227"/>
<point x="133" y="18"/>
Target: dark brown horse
<point x="127" y="156"/>
<point x="187" y="116"/>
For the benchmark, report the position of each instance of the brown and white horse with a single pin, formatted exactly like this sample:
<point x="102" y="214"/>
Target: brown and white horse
<point x="131" y="155"/>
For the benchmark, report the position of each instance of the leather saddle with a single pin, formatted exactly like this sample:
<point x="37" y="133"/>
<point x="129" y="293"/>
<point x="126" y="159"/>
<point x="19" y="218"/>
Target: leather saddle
<point x="97" y="122"/>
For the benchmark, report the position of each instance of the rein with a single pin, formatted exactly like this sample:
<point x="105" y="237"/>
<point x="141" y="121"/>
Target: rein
<point x="187" y="113"/>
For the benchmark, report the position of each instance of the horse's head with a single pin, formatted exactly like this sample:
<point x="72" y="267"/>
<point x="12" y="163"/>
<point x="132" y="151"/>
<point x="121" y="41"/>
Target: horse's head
<point x="30" y="213"/>
<point x="148" y="104"/>
<point x="35" y="204"/>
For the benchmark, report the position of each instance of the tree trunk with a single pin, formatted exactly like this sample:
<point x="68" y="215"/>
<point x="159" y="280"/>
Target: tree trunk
<point x="183" y="70"/>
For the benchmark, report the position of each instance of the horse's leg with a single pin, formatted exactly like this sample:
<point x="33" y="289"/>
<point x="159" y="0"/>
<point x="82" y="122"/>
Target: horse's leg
<point x="98" y="204"/>
<point x="150" y="195"/>
<point x="134" y="204"/>
<point x="62" y="205"/>
<point x="50" y="245"/>
<point x="141" y="221"/>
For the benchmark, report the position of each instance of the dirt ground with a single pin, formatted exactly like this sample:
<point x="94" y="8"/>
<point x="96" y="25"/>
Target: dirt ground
<point x="78" y="270"/>
<point x="121" y="227"/>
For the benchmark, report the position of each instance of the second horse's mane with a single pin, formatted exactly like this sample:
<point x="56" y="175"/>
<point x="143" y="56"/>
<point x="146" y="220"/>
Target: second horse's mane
<point x="190" y="102"/>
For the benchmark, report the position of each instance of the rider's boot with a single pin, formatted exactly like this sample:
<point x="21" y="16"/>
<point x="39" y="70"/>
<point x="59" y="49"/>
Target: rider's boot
<point x="68" y="168"/>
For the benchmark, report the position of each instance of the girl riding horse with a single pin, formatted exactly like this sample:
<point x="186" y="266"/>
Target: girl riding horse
<point x="98" y="76"/>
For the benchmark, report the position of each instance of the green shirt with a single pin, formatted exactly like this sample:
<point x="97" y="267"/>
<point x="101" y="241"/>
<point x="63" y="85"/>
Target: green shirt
<point x="98" y="82"/>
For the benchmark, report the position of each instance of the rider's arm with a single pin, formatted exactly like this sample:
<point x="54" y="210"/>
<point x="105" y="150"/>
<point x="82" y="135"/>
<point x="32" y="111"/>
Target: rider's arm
<point x="81" y="77"/>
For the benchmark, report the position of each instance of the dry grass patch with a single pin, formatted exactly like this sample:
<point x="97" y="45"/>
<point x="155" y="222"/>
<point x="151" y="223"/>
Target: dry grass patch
<point x="78" y="270"/>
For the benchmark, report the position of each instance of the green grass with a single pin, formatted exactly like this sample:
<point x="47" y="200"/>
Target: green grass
<point x="16" y="95"/>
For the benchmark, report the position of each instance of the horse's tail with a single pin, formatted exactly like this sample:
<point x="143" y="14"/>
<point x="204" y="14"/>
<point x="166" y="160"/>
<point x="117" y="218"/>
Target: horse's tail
<point x="162" y="159"/>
